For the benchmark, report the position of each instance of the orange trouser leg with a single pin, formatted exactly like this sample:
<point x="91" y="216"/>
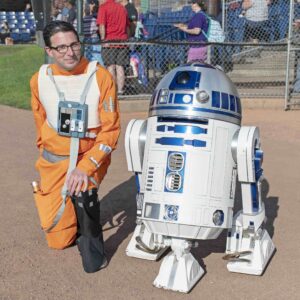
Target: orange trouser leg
<point x="48" y="201"/>
<point x="64" y="233"/>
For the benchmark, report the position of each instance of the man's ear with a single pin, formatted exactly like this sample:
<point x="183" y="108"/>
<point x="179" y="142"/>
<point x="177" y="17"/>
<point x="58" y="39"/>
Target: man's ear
<point x="48" y="51"/>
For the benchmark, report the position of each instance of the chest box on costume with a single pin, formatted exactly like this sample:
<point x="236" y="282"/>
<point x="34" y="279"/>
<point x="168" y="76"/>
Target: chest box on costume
<point x="72" y="119"/>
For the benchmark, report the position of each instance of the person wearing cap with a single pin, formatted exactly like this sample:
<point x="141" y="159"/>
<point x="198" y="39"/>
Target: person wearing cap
<point x="194" y="29"/>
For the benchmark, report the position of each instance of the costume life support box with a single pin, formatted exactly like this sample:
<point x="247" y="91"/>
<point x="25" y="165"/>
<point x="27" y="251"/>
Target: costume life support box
<point x="186" y="157"/>
<point x="72" y="119"/>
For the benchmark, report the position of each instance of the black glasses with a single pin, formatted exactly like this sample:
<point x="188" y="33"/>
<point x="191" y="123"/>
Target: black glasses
<point x="63" y="49"/>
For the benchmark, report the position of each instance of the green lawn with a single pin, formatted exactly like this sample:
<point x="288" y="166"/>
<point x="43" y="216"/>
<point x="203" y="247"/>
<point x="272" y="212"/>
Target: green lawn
<point x="17" y="64"/>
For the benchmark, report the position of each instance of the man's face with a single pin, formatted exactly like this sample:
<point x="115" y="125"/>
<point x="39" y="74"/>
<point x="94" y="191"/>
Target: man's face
<point x="70" y="59"/>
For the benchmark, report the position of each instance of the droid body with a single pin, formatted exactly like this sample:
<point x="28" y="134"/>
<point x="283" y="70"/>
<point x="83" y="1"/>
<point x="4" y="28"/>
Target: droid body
<point x="185" y="157"/>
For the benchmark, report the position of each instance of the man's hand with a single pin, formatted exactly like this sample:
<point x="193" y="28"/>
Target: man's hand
<point x="77" y="181"/>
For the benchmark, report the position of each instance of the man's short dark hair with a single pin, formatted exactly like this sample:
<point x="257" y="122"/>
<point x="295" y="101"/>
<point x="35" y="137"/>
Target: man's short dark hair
<point x="57" y="26"/>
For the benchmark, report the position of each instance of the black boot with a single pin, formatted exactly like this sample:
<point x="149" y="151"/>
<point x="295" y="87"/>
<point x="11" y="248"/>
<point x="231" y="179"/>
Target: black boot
<point x="90" y="241"/>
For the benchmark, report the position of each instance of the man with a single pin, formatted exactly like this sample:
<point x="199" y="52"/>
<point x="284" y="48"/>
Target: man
<point x="67" y="97"/>
<point x="57" y="8"/>
<point x="92" y="49"/>
<point x="257" y="15"/>
<point x="114" y="25"/>
<point x="71" y="17"/>
<point x="132" y="15"/>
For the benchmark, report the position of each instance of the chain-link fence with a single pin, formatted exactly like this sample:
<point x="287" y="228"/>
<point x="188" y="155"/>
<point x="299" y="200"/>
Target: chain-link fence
<point x="260" y="53"/>
<point x="257" y="71"/>
<point x="254" y="53"/>
<point x="293" y="58"/>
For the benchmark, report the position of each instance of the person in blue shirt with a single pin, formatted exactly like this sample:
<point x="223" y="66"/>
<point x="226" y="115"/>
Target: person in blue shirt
<point x="196" y="30"/>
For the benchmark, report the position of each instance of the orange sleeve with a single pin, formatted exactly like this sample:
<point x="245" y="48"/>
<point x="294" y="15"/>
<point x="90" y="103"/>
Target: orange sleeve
<point x="106" y="140"/>
<point x="37" y="108"/>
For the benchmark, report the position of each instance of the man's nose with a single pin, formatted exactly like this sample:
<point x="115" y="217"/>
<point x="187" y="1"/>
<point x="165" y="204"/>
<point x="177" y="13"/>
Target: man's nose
<point x="70" y="51"/>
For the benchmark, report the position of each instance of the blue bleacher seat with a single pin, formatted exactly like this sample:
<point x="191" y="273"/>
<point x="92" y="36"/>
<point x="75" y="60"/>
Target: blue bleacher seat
<point x="31" y="23"/>
<point x="21" y="17"/>
<point x="15" y="35"/>
<point x="14" y="21"/>
<point x="26" y="36"/>
<point x="24" y="21"/>
<point x="10" y="13"/>
<point x="22" y="26"/>
<point x="32" y="31"/>
<point x="11" y="17"/>
<point x="30" y="17"/>
<point x="12" y="25"/>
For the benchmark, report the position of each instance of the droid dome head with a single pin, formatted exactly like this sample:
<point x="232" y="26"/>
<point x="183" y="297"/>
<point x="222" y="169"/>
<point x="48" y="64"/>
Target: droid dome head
<point x="196" y="91"/>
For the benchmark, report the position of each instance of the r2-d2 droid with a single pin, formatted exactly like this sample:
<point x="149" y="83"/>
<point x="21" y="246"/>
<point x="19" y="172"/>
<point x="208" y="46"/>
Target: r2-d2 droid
<point x="186" y="157"/>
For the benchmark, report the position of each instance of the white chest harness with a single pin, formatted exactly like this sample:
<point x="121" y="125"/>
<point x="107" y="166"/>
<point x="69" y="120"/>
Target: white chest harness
<point x="72" y="121"/>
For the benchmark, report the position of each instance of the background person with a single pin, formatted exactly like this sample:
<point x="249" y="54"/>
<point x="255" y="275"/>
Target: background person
<point x="194" y="30"/>
<point x="4" y="32"/>
<point x="71" y="11"/>
<point x="91" y="34"/>
<point x="57" y="8"/>
<point x="65" y="12"/>
<point x="80" y="219"/>
<point x="132" y="16"/>
<point x="114" y="25"/>
<point x="257" y="15"/>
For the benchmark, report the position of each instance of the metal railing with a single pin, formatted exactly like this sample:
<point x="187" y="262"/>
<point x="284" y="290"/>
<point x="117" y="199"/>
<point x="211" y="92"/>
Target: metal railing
<point x="258" y="70"/>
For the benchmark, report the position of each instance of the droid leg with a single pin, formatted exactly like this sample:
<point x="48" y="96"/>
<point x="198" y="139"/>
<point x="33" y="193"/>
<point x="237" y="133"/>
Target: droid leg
<point x="249" y="246"/>
<point x="179" y="270"/>
<point x="144" y="244"/>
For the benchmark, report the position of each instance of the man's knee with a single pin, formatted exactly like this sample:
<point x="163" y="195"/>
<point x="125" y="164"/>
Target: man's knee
<point x="61" y="239"/>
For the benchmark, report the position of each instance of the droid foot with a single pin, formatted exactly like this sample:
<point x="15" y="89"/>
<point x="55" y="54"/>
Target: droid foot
<point x="179" y="271"/>
<point x="254" y="257"/>
<point x="142" y="245"/>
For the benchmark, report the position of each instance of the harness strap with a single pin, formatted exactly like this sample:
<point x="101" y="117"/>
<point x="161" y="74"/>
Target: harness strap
<point x="53" y="158"/>
<point x="61" y="95"/>
<point x="87" y="87"/>
<point x="74" y="147"/>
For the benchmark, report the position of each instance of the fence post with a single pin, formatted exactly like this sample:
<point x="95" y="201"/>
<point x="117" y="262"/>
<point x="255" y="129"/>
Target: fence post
<point x="289" y="40"/>
<point x="80" y="19"/>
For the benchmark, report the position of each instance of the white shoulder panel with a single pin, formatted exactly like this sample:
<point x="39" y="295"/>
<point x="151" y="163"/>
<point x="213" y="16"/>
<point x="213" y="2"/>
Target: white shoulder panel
<point x="248" y="140"/>
<point x="135" y="138"/>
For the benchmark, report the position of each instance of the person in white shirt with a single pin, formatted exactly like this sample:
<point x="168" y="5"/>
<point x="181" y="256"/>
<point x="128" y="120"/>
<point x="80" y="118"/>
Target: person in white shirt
<point x="257" y="23"/>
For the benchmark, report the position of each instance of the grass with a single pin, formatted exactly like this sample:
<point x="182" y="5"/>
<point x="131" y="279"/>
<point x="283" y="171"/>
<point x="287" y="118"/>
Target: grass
<point x="17" y="64"/>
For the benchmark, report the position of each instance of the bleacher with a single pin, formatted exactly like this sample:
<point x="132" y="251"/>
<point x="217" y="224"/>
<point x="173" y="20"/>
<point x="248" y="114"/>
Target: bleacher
<point x="22" y="25"/>
<point x="161" y="26"/>
<point x="278" y="20"/>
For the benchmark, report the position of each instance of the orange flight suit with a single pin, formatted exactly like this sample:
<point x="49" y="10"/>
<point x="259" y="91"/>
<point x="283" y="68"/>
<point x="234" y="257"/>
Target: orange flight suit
<point x="53" y="175"/>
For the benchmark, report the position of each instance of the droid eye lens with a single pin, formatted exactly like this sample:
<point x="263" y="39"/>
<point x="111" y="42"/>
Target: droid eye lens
<point x="183" y="78"/>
